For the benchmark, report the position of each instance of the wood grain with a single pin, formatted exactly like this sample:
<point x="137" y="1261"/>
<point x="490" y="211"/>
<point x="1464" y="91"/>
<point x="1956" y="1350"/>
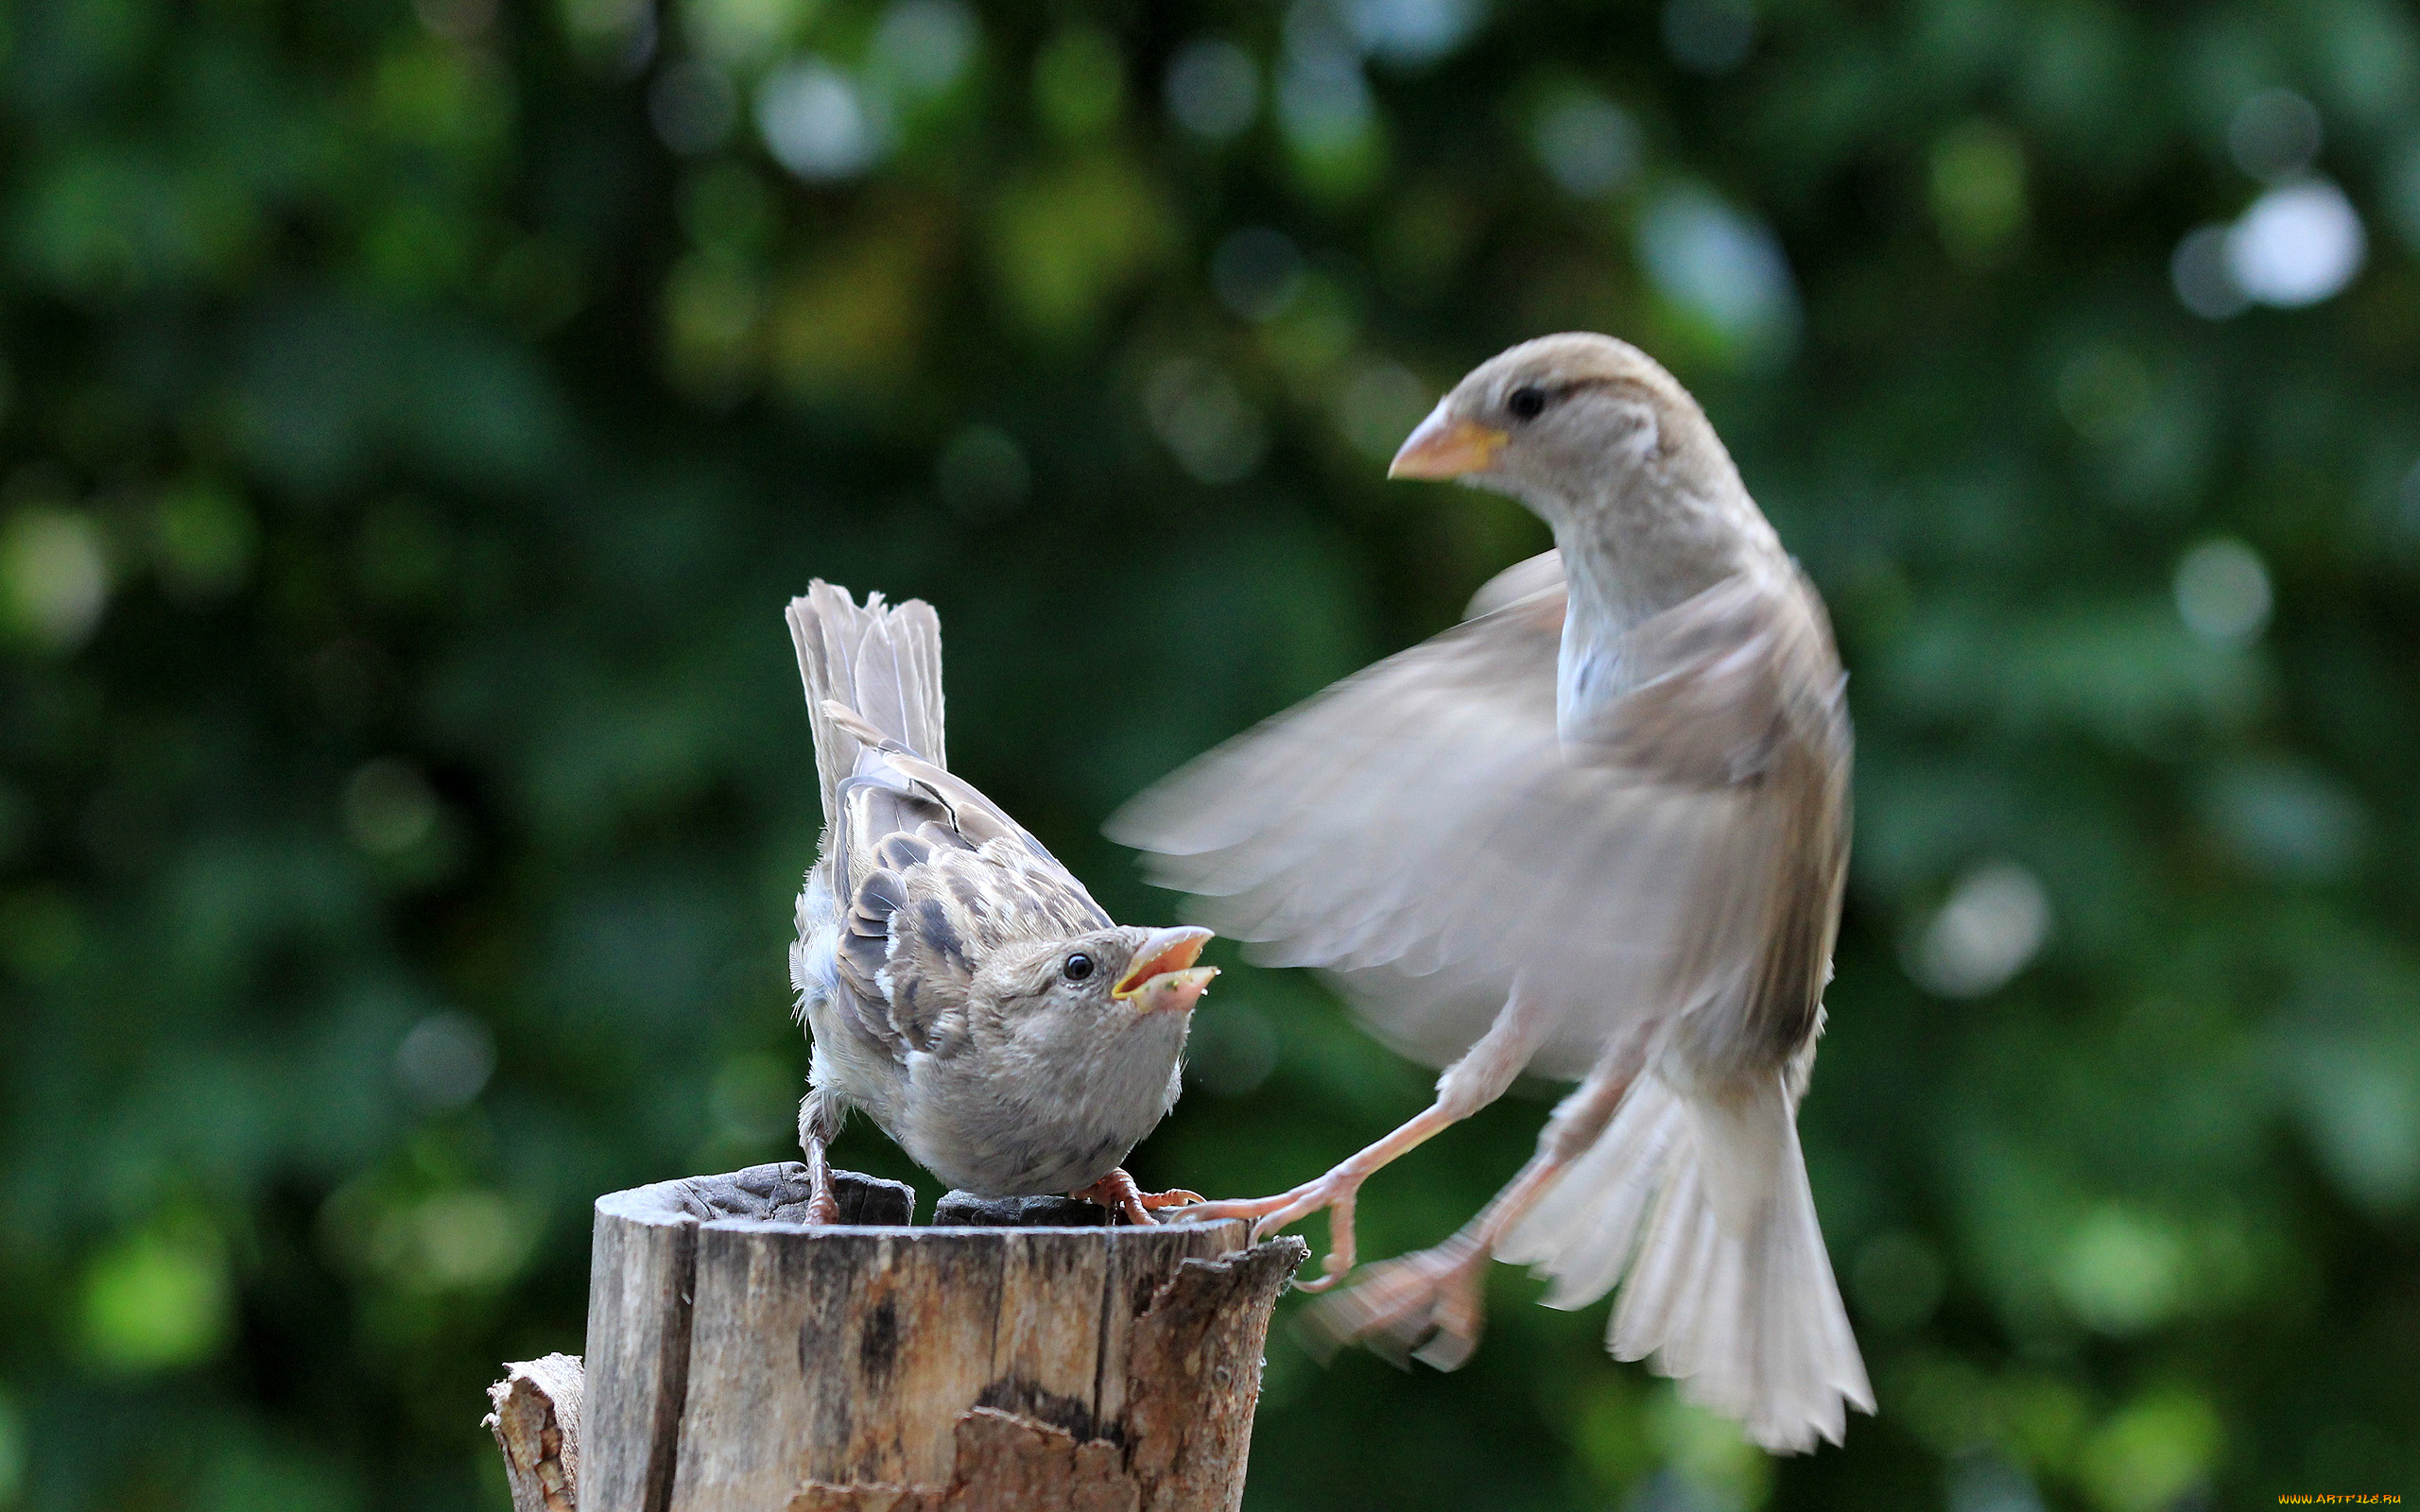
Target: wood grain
<point x="536" y="1421"/>
<point x="642" y="1264"/>
<point x="741" y="1360"/>
<point x="1193" y="1378"/>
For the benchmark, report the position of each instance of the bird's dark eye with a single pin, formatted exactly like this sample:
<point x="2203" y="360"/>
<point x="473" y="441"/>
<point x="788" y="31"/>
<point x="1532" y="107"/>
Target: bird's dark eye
<point x="1527" y="402"/>
<point x="1078" y="967"/>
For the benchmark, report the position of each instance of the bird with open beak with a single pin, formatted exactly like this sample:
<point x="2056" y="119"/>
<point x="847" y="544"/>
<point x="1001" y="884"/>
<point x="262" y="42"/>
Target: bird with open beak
<point x="1596" y="831"/>
<point x="960" y="985"/>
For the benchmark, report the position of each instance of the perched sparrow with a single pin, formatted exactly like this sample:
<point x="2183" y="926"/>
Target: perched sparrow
<point x="1596" y="830"/>
<point x="960" y="985"/>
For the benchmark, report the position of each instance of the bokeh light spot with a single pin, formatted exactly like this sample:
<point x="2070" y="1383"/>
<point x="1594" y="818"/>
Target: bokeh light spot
<point x="1997" y="919"/>
<point x="2203" y="278"/>
<point x="1982" y="1482"/>
<point x="2362" y="1107"/>
<point x="463" y="1240"/>
<point x="1709" y="36"/>
<point x="740" y="33"/>
<point x="922" y="49"/>
<point x="54" y="576"/>
<point x="1216" y="435"/>
<point x="816" y="123"/>
<point x="389" y="806"/>
<point x="2120" y="1272"/>
<point x="2222" y="593"/>
<point x="157" y="1299"/>
<point x="1213" y="89"/>
<point x="1588" y="144"/>
<point x="1411" y="31"/>
<point x="2274" y="135"/>
<point x="1706" y="1456"/>
<point x="2151" y="1453"/>
<point x="445" y="1060"/>
<point x="2285" y="819"/>
<point x="1978" y="191"/>
<point x="1723" y="268"/>
<point x="2297" y="244"/>
<point x="1324" y="105"/>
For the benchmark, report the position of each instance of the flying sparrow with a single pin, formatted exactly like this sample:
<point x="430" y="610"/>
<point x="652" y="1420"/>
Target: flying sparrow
<point x="1599" y="831"/>
<point x="960" y="985"/>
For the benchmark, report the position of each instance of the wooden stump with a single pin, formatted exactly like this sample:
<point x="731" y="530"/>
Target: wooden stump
<point x="536" y="1423"/>
<point x="739" y="1360"/>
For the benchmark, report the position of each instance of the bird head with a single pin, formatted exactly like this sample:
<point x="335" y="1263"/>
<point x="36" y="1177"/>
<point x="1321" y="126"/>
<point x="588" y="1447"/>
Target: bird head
<point x="1558" y="421"/>
<point x="1103" y="981"/>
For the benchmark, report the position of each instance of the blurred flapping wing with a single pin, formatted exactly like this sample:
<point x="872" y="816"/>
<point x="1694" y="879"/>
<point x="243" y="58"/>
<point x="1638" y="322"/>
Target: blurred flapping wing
<point x="1423" y="830"/>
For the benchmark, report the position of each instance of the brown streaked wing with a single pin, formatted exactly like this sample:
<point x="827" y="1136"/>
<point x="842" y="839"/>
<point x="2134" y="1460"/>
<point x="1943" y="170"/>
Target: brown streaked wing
<point x="960" y="904"/>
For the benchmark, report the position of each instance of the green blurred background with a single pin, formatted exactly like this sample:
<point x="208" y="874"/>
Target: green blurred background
<point x="417" y="415"/>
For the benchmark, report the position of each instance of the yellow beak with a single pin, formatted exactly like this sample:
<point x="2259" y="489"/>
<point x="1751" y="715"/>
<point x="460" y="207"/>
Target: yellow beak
<point x="1163" y="978"/>
<point x="1446" y="446"/>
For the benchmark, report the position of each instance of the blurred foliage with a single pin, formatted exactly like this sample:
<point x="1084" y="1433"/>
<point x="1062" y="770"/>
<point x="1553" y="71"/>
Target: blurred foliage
<point x="416" y="418"/>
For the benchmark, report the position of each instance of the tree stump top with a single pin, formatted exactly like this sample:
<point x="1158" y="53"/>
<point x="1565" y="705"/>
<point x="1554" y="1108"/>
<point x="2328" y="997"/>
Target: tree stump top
<point x="762" y="1195"/>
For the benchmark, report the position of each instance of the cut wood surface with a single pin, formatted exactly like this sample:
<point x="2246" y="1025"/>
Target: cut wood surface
<point x="536" y="1423"/>
<point x="738" y="1359"/>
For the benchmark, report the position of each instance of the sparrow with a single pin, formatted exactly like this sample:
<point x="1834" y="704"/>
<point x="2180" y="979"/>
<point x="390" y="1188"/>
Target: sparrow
<point x="1598" y="831"/>
<point x="959" y="985"/>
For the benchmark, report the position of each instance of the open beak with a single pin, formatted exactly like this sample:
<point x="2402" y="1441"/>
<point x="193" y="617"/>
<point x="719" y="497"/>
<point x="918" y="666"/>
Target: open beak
<point x="1446" y="446"/>
<point x="1163" y="977"/>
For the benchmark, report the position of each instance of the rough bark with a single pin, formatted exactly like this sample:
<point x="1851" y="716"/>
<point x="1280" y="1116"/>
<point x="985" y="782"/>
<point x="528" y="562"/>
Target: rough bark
<point x="641" y="1267"/>
<point x="1003" y="1463"/>
<point x="1193" y="1377"/>
<point x="536" y="1423"/>
<point x="1180" y="1443"/>
<point x="738" y="1360"/>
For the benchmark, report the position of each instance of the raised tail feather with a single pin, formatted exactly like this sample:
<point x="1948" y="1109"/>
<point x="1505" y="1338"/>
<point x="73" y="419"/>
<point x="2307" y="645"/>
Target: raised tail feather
<point x="882" y="662"/>
<point x="1730" y="1290"/>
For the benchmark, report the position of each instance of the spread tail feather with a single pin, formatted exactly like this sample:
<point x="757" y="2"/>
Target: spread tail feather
<point x="883" y="662"/>
<point x="1724" y="1281"/>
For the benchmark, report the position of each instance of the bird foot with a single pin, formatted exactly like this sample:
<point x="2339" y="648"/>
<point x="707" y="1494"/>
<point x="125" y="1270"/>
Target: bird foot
<point x="1426" y="1306"/>
<point x="1117" y="1192"/>
<point x="1335" y="1191"/>
<point x="822" y="1203"/>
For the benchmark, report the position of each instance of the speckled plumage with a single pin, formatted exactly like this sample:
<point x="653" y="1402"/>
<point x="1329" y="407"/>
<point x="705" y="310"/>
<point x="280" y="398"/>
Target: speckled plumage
<point x="938" y="943"/>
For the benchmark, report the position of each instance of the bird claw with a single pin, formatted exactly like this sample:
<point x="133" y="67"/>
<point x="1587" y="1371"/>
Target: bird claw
<point x="1334" y="1192"/>
<point x="1426" y="1306"/>
<point x="1117" y="1192"/>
